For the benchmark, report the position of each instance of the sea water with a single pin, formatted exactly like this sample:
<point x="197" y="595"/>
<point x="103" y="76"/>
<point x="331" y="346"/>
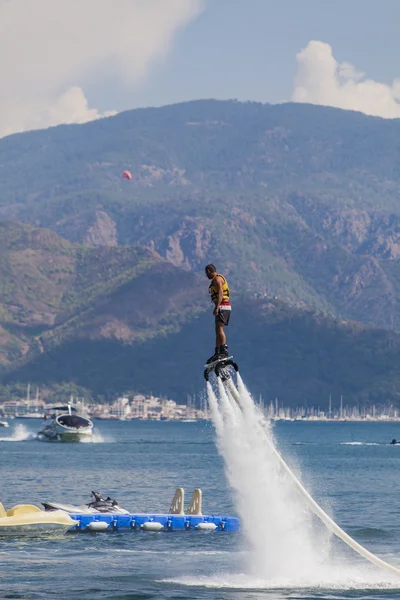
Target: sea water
<point x="141" y="464"/>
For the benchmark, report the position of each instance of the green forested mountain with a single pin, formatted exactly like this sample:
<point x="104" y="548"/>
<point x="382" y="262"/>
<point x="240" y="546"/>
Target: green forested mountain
<point x="298" y="205"/>
<point x="51" y="290"/>
<point x="296" y="201"/>
<point x="111" y="319"/>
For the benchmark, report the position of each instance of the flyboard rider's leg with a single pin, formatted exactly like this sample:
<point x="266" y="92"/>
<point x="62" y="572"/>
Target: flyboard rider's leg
<point x="221" y="321"/>
<point x="220" y="336"/>
<point x="220" y="361"/>
<point x="221" y="349"/>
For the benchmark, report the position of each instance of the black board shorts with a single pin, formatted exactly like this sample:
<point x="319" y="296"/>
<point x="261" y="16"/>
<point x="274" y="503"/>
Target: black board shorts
<point x="223" y="317"/>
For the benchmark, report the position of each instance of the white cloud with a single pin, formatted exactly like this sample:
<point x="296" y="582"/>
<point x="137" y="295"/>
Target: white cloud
<point x="49" y="50"/>
<point x="322" y="80"/>
<point x="72" y="107"/>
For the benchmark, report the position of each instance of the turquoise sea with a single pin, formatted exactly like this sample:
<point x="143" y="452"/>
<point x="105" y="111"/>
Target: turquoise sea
<point x="352" y="469"/>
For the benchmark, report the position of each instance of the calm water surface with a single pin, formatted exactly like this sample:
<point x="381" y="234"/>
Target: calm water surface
<point x="350" y="467"/>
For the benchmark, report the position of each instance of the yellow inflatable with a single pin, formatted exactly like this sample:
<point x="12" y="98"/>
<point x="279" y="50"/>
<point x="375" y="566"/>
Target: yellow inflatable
<point x="27" y="519"/>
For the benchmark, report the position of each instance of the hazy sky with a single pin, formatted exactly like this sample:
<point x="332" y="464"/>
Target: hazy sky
<point x="76" y="60"/>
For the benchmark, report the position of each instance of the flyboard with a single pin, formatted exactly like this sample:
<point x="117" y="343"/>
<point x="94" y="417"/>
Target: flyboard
<point x="222" y="368"/>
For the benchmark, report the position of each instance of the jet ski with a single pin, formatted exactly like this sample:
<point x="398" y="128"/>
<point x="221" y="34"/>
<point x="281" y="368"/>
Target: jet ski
<point x="98" y="505"/>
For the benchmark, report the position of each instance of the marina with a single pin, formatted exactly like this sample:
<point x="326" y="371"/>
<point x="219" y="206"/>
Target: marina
<point x="151" y="408"/>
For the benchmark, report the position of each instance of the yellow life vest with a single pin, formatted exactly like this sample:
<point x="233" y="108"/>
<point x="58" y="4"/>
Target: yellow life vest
<point x="214" y="290"/>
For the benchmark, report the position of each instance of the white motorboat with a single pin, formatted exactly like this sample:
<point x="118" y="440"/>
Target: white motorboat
<point x="3" y="424"/>
<point x="63" y="424"/>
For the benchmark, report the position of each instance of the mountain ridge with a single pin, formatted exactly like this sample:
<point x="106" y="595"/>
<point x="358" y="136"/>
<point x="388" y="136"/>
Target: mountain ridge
<point x="302" y="198"/>
<point x="125" y="319"/>
<point x="294" y="204"/>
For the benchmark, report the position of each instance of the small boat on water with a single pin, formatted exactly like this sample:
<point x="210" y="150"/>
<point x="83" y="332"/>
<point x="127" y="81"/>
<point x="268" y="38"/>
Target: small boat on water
<point x="64" y="424"/>
<point x="3" y="424"/>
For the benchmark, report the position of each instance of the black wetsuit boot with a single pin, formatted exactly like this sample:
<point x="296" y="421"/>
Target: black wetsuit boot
<point x="223" y="351"/>
<point x="214" y="357"/>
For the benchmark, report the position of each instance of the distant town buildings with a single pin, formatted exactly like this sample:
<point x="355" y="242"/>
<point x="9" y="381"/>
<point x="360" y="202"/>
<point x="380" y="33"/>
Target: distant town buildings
<point x="137" y="407"/>
<point x="147" y="408"/>
<point x="143" y="407"/>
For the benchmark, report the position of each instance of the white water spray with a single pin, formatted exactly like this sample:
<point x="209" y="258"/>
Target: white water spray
<point x="215" y="415"/>
<point x="273" y="505"/>
<point x="99" y="438"/>
<point x="274" y="520"/>
<point x="19" y="434"/>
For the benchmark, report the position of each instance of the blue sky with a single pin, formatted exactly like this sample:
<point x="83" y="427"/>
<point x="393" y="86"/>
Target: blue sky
<point x="79" y="60"/>
<point x="246" y="49"/>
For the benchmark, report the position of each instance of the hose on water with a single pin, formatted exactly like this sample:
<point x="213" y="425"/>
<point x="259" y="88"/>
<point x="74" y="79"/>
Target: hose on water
<point x="317" y="510"/>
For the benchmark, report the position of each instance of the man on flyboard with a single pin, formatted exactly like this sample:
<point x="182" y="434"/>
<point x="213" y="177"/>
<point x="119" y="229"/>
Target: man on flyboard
<point x="219" y="292"/>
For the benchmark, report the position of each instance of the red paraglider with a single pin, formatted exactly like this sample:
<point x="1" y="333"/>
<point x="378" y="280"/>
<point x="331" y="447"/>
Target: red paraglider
<point x="127" y="175"/>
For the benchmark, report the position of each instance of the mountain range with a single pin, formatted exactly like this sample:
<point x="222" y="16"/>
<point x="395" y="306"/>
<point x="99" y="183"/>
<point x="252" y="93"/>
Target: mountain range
<point x="101" y="279"/>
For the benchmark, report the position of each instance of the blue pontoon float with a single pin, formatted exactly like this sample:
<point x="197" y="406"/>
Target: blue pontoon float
<point x="175" y="520"/>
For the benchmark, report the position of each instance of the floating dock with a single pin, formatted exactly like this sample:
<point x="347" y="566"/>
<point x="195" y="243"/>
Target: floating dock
<point x="154" y="522"/>
<point x="175" y="520"/>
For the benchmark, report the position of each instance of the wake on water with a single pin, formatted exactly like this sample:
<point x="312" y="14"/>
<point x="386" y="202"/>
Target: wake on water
<point x="19" y="434"/>
<point x="22" y="434"/>
<point x="286" y="546"/>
